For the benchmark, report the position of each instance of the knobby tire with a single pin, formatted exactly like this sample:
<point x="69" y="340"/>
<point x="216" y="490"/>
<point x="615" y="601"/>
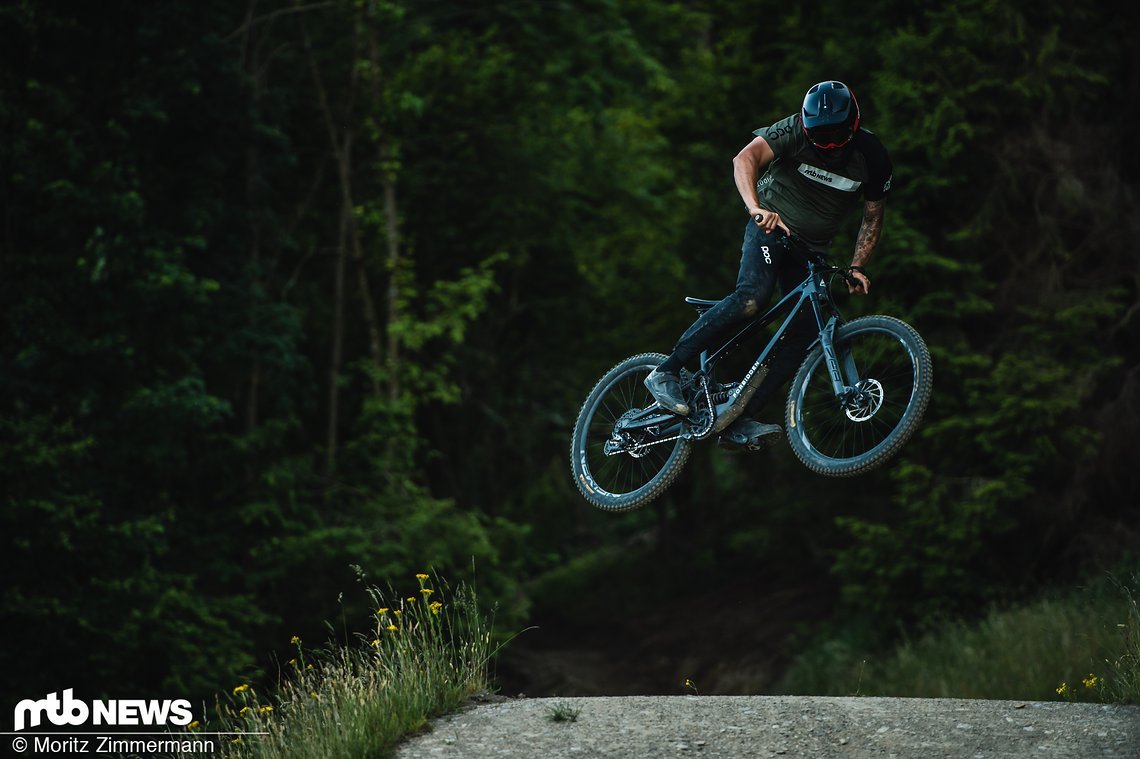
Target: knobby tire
<point x="823" y="436"/>
<point x="620" y="383"/>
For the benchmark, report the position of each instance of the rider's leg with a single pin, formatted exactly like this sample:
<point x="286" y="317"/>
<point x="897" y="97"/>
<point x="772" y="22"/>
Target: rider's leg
<point x="761" y="257"/>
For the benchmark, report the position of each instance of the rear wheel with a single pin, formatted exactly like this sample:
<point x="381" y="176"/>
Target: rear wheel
<point x="616" y="471"/>
<point x="889" y="365"/>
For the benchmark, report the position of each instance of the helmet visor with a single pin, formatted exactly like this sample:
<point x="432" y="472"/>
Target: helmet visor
<point x="831" y="136"/>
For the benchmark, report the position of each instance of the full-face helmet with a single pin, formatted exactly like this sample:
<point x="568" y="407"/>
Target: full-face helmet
<point x="830" y="115"/>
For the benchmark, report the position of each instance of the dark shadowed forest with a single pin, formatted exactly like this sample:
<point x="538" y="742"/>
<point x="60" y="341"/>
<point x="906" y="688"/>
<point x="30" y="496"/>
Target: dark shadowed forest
<point x="300" y="296"/>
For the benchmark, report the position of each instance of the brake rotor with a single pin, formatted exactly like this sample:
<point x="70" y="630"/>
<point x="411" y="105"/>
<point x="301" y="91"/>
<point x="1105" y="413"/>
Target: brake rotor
<point x="867" y="401"/>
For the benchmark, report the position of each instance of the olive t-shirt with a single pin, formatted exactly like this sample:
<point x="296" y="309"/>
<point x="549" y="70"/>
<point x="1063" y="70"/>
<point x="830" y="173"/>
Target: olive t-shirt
<point x="812" y="195"/>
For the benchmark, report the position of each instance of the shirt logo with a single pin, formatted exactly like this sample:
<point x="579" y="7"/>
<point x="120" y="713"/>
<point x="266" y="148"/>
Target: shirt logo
<point x="829" y="179"/>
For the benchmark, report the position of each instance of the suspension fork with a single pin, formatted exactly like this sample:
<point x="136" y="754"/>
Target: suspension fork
<point x="840" y="368"/>
<point x="827" y="343"/>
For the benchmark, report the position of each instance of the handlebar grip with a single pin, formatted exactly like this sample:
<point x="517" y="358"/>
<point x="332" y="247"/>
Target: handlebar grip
<point x="850" y="279"/>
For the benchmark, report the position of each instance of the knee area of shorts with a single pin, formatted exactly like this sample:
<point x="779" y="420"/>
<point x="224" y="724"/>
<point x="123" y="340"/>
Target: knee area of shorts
<point x="747" y="300"/>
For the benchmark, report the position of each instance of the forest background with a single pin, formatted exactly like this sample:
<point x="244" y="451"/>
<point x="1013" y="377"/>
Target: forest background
<point x="296" y="297"/>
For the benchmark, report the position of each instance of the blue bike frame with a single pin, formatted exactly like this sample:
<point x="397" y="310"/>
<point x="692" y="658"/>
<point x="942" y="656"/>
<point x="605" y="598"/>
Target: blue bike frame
<point x="812" y="291"/>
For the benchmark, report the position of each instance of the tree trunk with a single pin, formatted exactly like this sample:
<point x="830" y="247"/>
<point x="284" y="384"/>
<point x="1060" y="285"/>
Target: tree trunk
<point x="337" y="355"/>
<point x="252" y="65"/>
<point x="341" y="146"/>
<point x="340" y="142"/>
<point x="391" y="225"/>
<point x="389" y="167"/>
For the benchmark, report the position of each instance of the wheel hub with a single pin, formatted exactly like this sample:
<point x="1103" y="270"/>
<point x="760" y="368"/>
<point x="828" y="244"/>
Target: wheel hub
<point x="623" y="442"/>
<point x="866" y="401"/>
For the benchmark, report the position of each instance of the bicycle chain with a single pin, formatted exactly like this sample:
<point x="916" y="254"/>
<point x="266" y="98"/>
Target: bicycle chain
<point x="696" y="435"/>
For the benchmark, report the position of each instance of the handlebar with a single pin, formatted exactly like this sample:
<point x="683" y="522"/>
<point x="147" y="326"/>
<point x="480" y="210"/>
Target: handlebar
<point x="843" y="271"/>
<point x="819" y="261"/>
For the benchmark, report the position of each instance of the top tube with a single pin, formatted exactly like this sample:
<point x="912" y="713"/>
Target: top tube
<point x="812" y="255"/>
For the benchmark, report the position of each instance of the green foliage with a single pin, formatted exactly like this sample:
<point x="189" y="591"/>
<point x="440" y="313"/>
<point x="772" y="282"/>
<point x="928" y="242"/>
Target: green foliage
<point x="1076" y="645"/>
<point x="1015" y="365"/>
<point x="287" y="289"/>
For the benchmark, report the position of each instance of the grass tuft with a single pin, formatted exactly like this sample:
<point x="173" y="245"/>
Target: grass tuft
<point x="426" y="654"/>
<point x="562" y="712"/>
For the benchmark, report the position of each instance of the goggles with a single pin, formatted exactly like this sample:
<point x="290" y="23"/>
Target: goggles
<point x="830" y="137"/>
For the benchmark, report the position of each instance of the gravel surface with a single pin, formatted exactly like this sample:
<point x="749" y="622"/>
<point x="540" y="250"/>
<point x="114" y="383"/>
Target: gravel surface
<point x="785" y="726"/>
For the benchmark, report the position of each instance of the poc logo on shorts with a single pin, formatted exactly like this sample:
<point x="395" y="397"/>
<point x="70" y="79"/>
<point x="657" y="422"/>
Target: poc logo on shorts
<point x="767" y="255"/>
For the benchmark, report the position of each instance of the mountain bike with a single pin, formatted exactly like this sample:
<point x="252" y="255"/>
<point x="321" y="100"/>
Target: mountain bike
<point x="856" y="399"/>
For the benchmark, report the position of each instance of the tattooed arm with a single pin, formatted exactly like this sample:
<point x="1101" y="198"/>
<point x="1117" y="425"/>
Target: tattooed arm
<point x="865" y="242"/>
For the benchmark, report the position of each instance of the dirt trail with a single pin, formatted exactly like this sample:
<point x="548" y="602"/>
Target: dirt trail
<point x="649" y="727"/>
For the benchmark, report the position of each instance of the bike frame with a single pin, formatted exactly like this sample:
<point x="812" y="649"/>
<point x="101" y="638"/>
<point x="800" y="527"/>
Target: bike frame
<point x="811" y="293"/>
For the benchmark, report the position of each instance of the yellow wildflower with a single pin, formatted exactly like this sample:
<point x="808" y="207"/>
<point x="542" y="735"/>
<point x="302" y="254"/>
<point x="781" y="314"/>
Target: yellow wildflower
<point x="411" y="599"/>
<point x="265" y="710"/>
<point x="375" y="643"/>
<point x="382" y="611"/>
<point x="426" y="591"/>
<point x="392" y="627"/>
<point x="397" y="612"/>
<point x="1091" y="681"/>
<point x="193" y="725"/>
<point x="293" y="662"/>
<point x="421" y="577"/>
<point x="314" y="694"/>
<point x="435" y="607"/>
<point x="244" y="709"/>
<point x="1063" y="689"/>
<point x="294" y="640"/>
<point x="241" y="688"/>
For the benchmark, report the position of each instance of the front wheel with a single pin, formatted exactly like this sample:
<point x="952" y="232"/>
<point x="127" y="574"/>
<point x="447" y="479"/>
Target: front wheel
<point x="616" y="470"/>
<point x="887" y="363"/>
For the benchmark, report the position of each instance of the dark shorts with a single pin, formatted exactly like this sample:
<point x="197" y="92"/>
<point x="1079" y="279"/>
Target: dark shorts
<point x="765" y="262"/>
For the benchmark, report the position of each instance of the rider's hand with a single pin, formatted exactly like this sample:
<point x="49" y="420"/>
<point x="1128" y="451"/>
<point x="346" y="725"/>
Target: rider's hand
<point x="862" y="285"/>
<point x="769" y="221"/>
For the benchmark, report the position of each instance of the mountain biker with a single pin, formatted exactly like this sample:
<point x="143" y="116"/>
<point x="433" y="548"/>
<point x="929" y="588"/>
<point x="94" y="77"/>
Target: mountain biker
<point x="819" y="162"/>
